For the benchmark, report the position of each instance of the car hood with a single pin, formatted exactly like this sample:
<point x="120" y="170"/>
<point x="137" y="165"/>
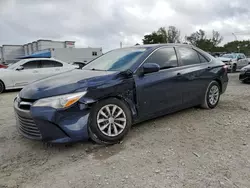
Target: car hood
<point x="247" y="67"/>
<point x="69" y="82"/>
<point x="5" y="70"/>
<point x="225" y="58"/>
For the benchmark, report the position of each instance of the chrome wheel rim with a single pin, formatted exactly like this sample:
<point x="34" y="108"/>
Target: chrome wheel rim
<point x="111" y="120"/>
<point x="214" y="95"/>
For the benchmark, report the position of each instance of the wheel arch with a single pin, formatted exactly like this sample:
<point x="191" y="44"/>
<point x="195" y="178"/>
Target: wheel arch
<point x="129" y="102"/>
<point x="220" y="83"/>
<point x="3" y="83"/>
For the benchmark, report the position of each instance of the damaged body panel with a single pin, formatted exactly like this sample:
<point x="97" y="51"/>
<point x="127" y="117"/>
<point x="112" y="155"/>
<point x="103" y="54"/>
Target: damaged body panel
<point x="71" y="124"/>
<point x="118" y="89"/>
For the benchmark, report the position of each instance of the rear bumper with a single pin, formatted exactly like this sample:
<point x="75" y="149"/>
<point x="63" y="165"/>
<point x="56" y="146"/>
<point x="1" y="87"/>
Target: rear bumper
<point x="224" y="87"/>
<point x="54" y="126"/>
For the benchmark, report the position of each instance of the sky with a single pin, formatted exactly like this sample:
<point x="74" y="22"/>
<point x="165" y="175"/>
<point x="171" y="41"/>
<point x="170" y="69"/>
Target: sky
<point x="100" y="23"/>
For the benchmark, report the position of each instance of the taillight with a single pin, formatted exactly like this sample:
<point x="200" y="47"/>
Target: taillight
<point x="225" y="67"/>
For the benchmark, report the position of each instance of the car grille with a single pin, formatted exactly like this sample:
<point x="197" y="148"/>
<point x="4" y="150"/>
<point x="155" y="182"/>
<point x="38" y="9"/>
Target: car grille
<point x="26" y="124"/>
<point x="28" y="127"/>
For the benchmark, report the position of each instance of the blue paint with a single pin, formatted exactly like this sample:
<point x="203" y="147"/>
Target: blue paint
<point x="147" y="95"/>
<point x="40" y="54"/>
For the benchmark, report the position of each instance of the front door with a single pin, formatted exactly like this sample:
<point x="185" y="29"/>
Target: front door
<point x="242" y="61"/>
<point x="159" y="91"/>
<point x="29" y="74"/>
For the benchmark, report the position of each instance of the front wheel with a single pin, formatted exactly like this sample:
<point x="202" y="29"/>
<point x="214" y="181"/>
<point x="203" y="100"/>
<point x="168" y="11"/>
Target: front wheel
<point x="110" y="121"/>
<point x="234" y="68"/>
<point x="212" y="96"/>
<point x="2" y="88"/>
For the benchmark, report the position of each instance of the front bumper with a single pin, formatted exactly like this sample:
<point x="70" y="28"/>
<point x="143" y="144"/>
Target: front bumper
<point x="51" y="125"/>
<point x="244" y="76"/>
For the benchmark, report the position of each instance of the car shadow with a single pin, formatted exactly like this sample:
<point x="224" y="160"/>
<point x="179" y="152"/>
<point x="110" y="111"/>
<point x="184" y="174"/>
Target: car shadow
<point x="12" y="90"/>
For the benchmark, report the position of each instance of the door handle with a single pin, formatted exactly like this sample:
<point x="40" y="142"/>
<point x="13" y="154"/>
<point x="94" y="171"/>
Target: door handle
<point x="35" y="71"/>
<point x="57" y="69"/>
<point x="178" y="74"/>
<point x="208" y="68"/>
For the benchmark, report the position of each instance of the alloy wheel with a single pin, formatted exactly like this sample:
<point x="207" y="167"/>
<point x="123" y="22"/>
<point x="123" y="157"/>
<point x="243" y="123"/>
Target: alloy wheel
<point x="214" y="95"/>
<point x="111" y="120"/>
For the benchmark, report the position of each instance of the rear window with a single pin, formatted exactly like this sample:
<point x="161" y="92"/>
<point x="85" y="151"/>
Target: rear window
<point x="188" y="56"/>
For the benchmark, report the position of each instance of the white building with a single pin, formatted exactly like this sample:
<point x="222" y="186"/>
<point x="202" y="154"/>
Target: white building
<point x="62" y="50"/>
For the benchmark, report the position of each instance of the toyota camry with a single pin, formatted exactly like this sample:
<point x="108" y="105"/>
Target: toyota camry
<point x="118" y="89"/>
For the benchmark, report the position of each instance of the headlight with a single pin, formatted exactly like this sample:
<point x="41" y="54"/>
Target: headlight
<point x="62" y="101"/>
<point x="17" y="98"/>
<point x="243" y="70"/>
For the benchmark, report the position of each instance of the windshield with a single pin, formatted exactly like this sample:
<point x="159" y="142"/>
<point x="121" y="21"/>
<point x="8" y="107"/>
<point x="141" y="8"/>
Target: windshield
<point x="229" y="56"/>
<point x="15" y="65"/>
<point x="116" y="60"/>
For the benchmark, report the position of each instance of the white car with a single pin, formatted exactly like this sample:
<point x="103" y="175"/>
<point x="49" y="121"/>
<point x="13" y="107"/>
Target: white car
<point x="234" y="61"/>
<point x="27" y="71"/>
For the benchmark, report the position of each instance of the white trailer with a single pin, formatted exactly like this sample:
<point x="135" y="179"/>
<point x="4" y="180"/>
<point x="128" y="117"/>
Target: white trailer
<point x="48" y="44"/>
<point x="29" y="48"/>
<point x="1" y="54"/>
<point x="11" y="52"/>
<point x="69" y="55"/>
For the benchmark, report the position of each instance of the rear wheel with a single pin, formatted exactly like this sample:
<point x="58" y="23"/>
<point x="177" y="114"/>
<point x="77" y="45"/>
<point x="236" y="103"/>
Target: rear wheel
<point x="110" y="121"/>
<point x="234" y="68"/>
<point x="2" y="87"/>
<point x="212" y="96"/>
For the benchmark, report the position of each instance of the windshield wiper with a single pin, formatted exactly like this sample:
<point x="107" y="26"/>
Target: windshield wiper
<point x="94" y="69"/>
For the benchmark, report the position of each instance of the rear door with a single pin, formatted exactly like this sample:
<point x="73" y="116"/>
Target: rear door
<point x="194" y="75"/>
<point x="159" y="91"/>
<point x="29" y="74"/>
<point x="50" y="68"/>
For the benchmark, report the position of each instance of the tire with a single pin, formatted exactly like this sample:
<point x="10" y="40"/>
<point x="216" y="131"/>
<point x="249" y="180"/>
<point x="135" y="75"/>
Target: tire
<point x="113" y="124"/>
<point x="207" y="103"/>
<point x="2" y="87"/>
<point x="246" y="81"/>
<point x="234" y="68"/>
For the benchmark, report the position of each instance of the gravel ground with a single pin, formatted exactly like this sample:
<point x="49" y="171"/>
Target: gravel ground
<point x="192" y="148"/>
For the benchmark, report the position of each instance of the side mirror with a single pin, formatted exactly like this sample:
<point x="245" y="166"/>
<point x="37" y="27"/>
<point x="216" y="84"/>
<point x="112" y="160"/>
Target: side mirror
<point x="19" y="68"/>
<point x="238" y="58"/>
<point x="150" y="67"/>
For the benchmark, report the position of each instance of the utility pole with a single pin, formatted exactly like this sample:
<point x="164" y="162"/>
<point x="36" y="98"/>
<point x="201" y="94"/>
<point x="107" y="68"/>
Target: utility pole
<point x="238" y="47"/>
<point x="121" y="44"/>
<point x="235" y="36"/>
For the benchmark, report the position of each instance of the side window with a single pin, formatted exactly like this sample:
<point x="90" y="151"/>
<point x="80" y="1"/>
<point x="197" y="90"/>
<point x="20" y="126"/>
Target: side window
<point x="31" y="65"/>
<point x="57" y="64"/>
<point x="164" y="57"/>
<point x="49" y="64"/>
<point x="188" y="56"/>
<point x="202" y="59"/>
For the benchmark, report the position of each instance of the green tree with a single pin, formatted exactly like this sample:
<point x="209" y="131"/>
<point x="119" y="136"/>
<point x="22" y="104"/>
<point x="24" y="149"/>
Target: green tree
<point x="197" y="37"/>
<point x="173" y="35"/>
<point x="217" y="38"/>
<point x="162" y="35"/>
<point x="200" y="40"/>
<point x="238" y="46"/>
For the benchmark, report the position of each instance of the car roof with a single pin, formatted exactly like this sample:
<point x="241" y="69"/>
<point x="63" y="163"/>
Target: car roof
<point x="160" y="45"/>
<point x="28" y="59"/>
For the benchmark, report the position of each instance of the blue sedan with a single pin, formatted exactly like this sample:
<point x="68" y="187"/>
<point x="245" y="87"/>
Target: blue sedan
<point x="118" y="89"/>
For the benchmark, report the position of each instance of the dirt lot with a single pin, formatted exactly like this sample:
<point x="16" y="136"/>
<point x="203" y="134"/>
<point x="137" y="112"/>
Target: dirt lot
<point x="191" y="148"/>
